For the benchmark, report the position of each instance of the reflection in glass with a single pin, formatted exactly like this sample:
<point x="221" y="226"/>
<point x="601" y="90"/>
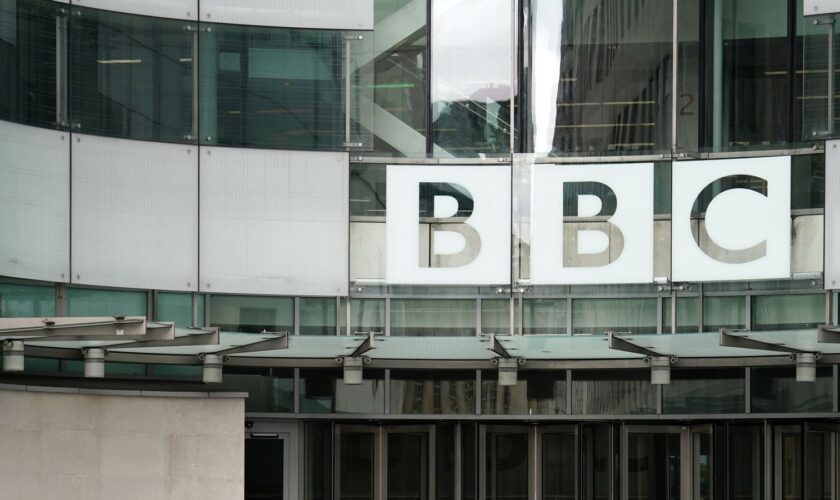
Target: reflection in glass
<point x="620" y="315"/>
<point x="407" y="466"/>
<point x="598" y="393"/>
<point x="317" y="316"/>
<point x="747" y="74"/>
<point x="270" y="390"/>
<point x="597" y="461"/>
<point x="495" y="316"/>
<point x="28" y="57"/>
<point x="366" y="315"/>
<point x="26" y="301"/>
<point x="400" y="61"/>
<point x="536" y="393"/>
<point x="177" y="307"/>
<point x="687" y="315"/>
<point x="723" y="312"/>
<point x="97" y="302"/>
<point x="324" y="391"/>
<point x="131" y="76"/>
<point x="702" y="463"/>
<point x="319" y="460"/>
<point x="273" y="87"/>
<point x="544" y="316"/>
<point x="251" y="314"/>
<point x="791" y="465"/>
<point x="599" y="76"/>
<point x="819" y="464"/>
<point x="745" y="462"/>
<point x="367" y="190"/>
<point x="787" y="312"/>
<point x="507" y="466"/>
<point x="807" y="178"/>
<point x="429" y="317"/>
<point x="559" y="465"/>
<point x="264" y="468"/>
<point x="446" y="393"/>
<point x="471" y="76"/>
<point x="704" y="391"/>
<point x="356" y="466"/>
<point x="775" y="390"/>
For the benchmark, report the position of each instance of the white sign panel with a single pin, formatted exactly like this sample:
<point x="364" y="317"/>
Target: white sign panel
<point x="745" y="233"/>
<point x="466" y="212"/>
<point x="820" y="7"/>
<point x="607" y="234"/>
<point x="832" y="215"/>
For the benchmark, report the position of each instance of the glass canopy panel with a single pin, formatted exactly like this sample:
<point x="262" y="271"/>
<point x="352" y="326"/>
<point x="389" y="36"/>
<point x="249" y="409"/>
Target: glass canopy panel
<point x="131" y="76"/>
<point x="598" y="76"/>
<point x="28" y="31"/>
<point x="471" y="76"/>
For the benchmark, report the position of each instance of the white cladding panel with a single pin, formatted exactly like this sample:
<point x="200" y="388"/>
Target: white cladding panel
<point x="320" y="14"/>
<point x="832" y="215"/>
<point x="274" y="222"/>
<point x="135" y="214"/>
<point x="819" y="7"/>
<point x="34" y="203"/>
<point x="171" y="9"/>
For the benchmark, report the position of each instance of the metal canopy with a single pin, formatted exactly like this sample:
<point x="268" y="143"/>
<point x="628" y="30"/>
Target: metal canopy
<point x="737" y="338"/>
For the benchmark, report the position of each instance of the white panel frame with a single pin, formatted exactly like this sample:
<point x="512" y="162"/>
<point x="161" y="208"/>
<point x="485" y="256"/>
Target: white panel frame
<point x="319" y="14"/>
<point x="820" y="7"/>
<point x="34" y="203"/>
<point x="832" y="215"/>
<point x="170" y="9"/>
<point x="135" y="214"/>
<point x="274" y="222"/>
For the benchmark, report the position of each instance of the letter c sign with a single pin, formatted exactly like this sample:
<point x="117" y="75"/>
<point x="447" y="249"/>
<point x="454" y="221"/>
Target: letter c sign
<point x="731" y="219"/>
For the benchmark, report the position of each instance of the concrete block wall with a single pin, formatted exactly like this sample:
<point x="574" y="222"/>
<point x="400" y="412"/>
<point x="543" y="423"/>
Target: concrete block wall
<point x="96" y="446"/>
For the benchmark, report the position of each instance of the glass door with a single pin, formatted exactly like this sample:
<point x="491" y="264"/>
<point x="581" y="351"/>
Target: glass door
<point x="821" y="461"/>
<point x="655" y="463"/>
<point x="356" y="462"/>
<point x="558" y="462"/>
<point x="506" y="462"/>
<point x="702" y="462"/>
<point x="408" y="464"/>
<point x="269" y="469"/>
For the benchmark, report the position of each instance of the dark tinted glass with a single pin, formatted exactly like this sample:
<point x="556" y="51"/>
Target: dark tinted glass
<point x="704" y="391"/>
<point x="432" y="393"/>
<point x="272" y="87"/>
<point x="28" y="58"/>
<point x="775" y="390"/>
<point x="323" y="391"/>
<point x="536" y="393"/>
<point x="596" y="393"/>
<point x="131" y="76"/>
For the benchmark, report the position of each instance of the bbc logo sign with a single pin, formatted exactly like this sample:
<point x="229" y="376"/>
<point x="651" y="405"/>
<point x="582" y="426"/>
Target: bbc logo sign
<point x="588" y="224"/>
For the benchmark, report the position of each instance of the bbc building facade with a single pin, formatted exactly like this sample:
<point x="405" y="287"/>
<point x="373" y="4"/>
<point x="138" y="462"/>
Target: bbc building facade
<point x="420" y="249"/>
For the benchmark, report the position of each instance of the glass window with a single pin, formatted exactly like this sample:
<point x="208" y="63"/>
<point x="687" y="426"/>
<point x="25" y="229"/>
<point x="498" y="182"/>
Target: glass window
<point x="439" y="393"/>
<point x="131" y="76"/>
<point x="121" y="369"/>
<point x="619" y="315"/>
<point x="317" y="316"/>
<point x="775" y="390"/>
<point x="807" y="182"/>
<point x="324" y="391"/>
<point x="97" y="302"/>
<point x="471" y="76"/>
<point x="177" y="307"/>
<point x="598" y="76"/>
<point x="495" y="316"/>
<point x="688" y="320"/>
<point x="723" y="312"/>
<point x="400" y="63"/>
<point x="26" y="301"/>
<point x="28" y="56"/>
<point x="190" y="372"/>
<point x="240" y="313"/>
<point x="319" y="460"/>
<point x="32" y="364"/>
<point x="812" y="99"/>
<point x="273" y="87"/>
<point x="605" y="393"/>
<point x="367" y="190"/>
<point x="366" y="315"/>
<point x="544" y="316"/>
<point x="787" y="312"/>
<point x="536" y="393"/>
<point x="270" y="390"/>
<point x="704" y="391"/>
<point x="747" y="73"/>
<point x="440" y="318"/>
